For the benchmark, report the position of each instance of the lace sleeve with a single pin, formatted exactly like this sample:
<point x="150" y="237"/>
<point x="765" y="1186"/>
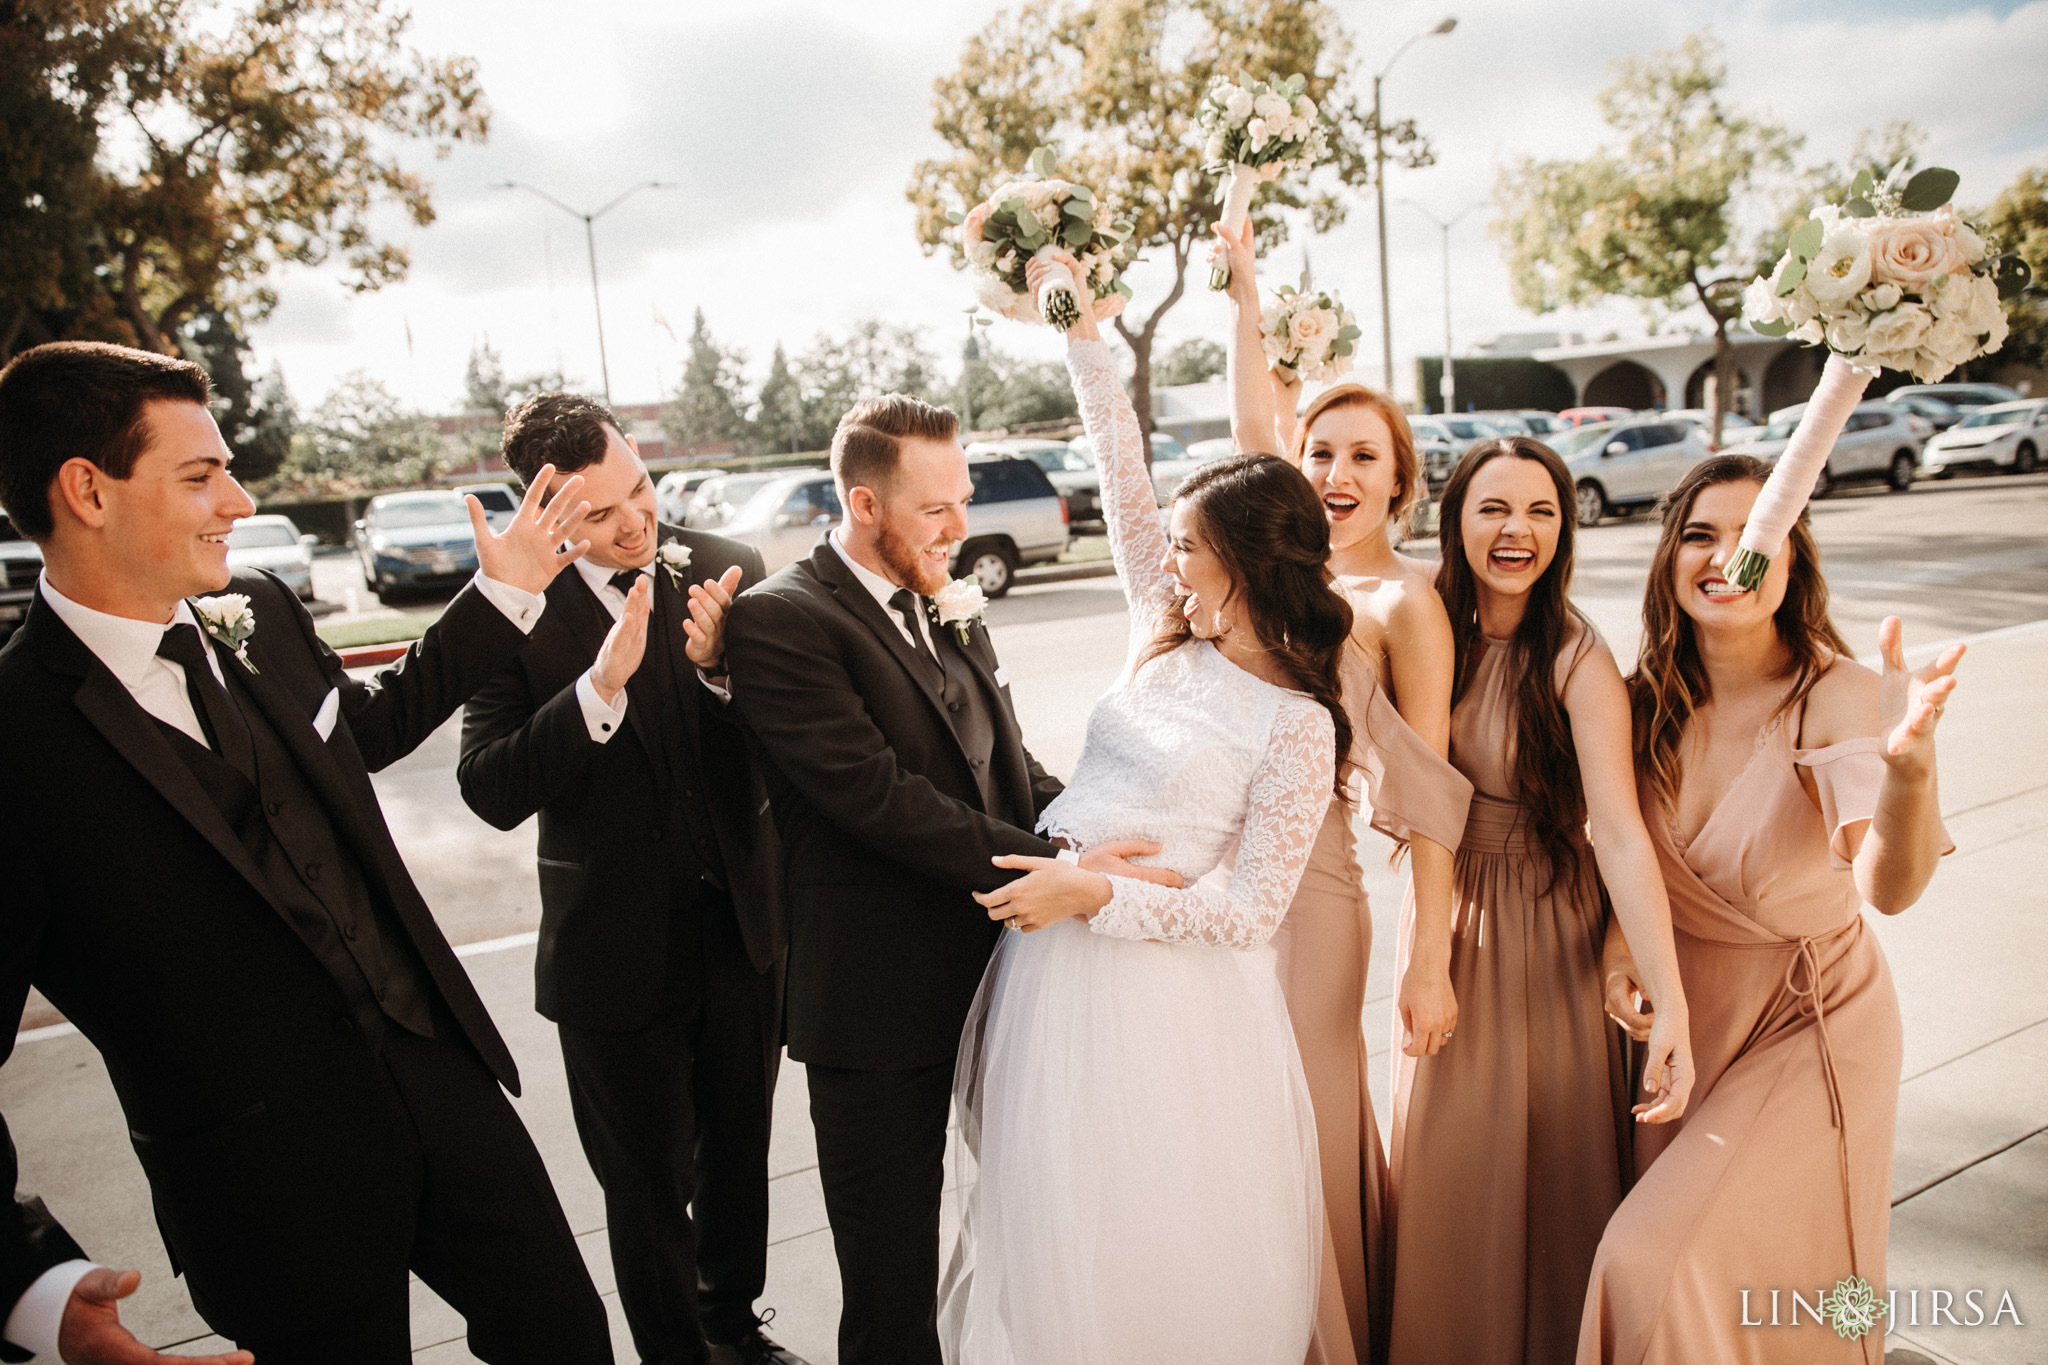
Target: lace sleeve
<point x="1136" y="540"/>
<point x="1284" y="809"/>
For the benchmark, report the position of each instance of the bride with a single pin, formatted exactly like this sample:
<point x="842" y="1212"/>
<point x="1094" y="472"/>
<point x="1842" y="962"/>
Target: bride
<point x="1128" y="1081"/>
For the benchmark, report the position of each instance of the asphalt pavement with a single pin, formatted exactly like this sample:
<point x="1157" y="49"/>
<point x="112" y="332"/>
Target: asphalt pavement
<point x="1966" y="558"/>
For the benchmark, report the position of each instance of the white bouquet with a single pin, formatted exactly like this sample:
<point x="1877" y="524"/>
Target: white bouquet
<point x="1256" y="132"/>
<point x="1889" y="279"/>
<point x="1308" y="336"/>
<point x="1024" y="219"/>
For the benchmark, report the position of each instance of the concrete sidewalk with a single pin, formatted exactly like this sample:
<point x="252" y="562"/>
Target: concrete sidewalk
<point x="1971" y="1175"/>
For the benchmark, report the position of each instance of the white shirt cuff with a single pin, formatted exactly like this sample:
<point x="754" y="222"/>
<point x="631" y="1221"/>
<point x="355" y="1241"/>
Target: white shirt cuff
<point x="603" y="718"/>
<point x="521" y="607"/>
<point x="39" y="1313"/>
<point x="724" y="694"/>
<point x="1070" y="855"/>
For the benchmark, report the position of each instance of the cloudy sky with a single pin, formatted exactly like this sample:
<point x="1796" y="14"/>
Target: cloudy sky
<point x="791" y="126"/>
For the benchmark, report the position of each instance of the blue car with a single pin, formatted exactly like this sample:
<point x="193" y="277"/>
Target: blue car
<point x="415" y="543"/>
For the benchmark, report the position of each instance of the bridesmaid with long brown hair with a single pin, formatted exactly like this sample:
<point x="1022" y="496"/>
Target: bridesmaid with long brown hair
<point x="1355" y="448"/>
<point x="1786" y="787"/>
<point x="1510" y="1145"/>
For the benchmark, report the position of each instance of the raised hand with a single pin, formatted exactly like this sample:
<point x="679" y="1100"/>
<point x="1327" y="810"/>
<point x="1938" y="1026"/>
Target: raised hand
<point x="1909" y="703"/>
<point x="625" y="645"/>
<point x="1239" y="253"/>
<point x="91" y="1333"/>
<point x="529" y="552"/>
<point x="1035" y="272"/>
<point x="709" y="602"/>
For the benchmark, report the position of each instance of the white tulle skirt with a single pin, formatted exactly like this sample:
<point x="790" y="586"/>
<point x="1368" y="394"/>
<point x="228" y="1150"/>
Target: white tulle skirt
<point x="1148" y="1184"/>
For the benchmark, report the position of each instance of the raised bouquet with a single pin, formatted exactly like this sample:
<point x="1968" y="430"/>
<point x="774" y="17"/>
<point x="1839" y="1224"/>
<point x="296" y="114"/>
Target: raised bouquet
<point x="1307" y="335"/>
<point x="1029" y="218"/>
<point x="1256" y="132"/>
<point x="1889" y="279"/>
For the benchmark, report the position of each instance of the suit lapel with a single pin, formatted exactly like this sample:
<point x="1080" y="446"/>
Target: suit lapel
<point x="855" y="597"/>
<point x="675" y="601"/>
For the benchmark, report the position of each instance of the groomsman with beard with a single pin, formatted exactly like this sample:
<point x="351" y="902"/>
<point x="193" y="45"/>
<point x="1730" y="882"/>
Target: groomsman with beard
<point x="897" y="772"/>
<point x="199" y="877"/>
<point x="662" y="926"/>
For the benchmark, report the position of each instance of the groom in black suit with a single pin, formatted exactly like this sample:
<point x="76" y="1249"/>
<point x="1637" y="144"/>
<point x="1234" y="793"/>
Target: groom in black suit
<point x="897" y="772"/>
<point x="662" y="926"/>
<point x="199" y="877"/>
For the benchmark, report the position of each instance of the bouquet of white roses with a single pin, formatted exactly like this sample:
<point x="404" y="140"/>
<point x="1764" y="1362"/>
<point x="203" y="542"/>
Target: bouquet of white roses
<point x="1889" y="279"/>
<point x="1308" y="336"/>
<point x="1024" y="219"/>
<point x="1256" y="132"/>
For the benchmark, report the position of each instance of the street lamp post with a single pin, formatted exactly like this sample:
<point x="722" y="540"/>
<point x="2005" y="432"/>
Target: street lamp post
<point x="590" y="245"/>
<point x="1449" y="384"/>
<point x="1379" y="180"/>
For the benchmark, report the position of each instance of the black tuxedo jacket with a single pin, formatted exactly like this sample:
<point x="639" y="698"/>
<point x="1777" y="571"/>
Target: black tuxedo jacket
<point x="605" y="852"/>
<point x="135" y="908"/>
<point x="883" y="827"/>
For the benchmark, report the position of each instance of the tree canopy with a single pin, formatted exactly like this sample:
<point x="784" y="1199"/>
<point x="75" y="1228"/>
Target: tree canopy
<point x="159" y="158"/>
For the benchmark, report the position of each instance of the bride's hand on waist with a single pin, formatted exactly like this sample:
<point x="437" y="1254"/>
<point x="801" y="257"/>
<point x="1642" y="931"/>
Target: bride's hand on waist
<point x="1049" y="891"/>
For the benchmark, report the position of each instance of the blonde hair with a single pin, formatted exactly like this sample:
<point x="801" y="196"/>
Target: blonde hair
<point x="1406" y="465"/>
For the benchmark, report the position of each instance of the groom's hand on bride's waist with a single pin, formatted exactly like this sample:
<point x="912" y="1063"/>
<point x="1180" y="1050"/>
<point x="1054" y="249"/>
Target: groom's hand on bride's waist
<point x="1111" y="860"/>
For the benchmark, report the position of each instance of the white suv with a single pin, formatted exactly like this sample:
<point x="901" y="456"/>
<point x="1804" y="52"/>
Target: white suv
<point x="2006" y="436"/>
<point x="1879" y="441"/>
<point x="1616" y="466"/>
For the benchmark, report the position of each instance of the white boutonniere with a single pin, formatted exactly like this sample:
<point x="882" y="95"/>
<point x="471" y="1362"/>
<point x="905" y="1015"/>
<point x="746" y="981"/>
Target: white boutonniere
<point x="227" y="618"/>
<point x="673" y="556"/>
<point x="959" y="604"/>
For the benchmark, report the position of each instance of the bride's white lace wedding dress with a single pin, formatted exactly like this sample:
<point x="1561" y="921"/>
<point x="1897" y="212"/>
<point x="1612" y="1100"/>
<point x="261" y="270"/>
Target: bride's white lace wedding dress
<point x="1148" y="1183"/>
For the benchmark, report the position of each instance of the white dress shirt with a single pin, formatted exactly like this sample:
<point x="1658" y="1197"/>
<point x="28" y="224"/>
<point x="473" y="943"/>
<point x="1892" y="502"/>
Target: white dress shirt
<point x="128" y="648"/>
<point x="882" y="590"/>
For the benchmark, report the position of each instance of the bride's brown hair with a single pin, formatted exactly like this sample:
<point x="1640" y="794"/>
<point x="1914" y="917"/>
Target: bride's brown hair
<point x="1258" y="515"/>
<point x="1669" y="682"/>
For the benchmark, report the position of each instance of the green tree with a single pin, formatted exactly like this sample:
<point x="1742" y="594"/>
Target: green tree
<point x="1655" y="220"/>
<point x="158" y="158"/>
<point x="2018" y="219"/>
<point x="708" y="408"/>
<point x="256" y="416"/>
<point x="873" y="358"/>
<point x="778" y="422"/>
<point x="1190" y="362"/>
<point x="362" y="437"/>
<point x="1010" y="391"/>
<point x="1113" y="86"/>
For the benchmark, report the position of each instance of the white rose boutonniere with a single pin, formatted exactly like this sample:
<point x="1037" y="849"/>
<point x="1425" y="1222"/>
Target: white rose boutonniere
<point x="959" y="604"/>
<point x="674" y="556"/>
<point x="227" y="618"/>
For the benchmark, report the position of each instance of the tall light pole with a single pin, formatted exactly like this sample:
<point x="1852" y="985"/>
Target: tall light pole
<point x="1379" y="181"/>
<point x="1449" y="385"/>
<point x="590" y="245"/>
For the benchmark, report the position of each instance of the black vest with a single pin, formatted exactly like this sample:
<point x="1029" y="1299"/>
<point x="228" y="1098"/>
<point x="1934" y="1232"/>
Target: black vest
<point x="971" y="715"/>
<point x="313" y="876"/>
<point x="662" y="694"/>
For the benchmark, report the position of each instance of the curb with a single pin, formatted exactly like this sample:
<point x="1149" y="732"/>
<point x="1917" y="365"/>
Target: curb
<point x="374" y="656"/>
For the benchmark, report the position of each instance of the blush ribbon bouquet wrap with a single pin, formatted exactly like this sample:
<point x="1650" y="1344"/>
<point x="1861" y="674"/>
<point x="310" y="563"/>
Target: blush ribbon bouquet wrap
<point x="1889" y="279"/>
<point x="1257" y="131"/>
<point x="1030" y="218"/>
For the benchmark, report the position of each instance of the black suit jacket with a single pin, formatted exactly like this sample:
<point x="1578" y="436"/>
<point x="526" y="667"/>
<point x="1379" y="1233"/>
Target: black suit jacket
<point x="882" y="823"/>
<point x="134" y="907"/>
<point x="604" y="850"/>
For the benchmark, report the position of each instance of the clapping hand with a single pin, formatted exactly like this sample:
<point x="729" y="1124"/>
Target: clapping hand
<point x="1909" y="703"/>
<point x="709" y="602"/>
<point x="625" y="645"/>
<point x="529" y="552"/>
<point x="91" y="1333"/>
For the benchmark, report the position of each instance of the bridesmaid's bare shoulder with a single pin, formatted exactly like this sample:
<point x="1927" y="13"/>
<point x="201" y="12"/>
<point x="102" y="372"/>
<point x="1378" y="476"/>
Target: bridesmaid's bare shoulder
<point x="1842" y="706"/>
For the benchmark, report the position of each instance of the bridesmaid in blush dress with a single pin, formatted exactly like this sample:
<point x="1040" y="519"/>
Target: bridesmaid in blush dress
<point x="1510" y="1136"/>
<point x="1787" y="786"/>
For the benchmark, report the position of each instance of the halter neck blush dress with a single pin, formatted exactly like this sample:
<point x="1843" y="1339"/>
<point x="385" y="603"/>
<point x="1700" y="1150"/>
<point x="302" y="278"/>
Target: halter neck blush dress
<point x="1325" y="946"/>
<point x="1778" y="1177"/>
<point x="1510" y="1145"/>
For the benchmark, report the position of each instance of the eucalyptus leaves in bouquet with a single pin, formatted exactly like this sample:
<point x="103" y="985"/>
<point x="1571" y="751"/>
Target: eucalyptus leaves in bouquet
<point x="1035" y="216"/>
<point x="1254" y="132"/>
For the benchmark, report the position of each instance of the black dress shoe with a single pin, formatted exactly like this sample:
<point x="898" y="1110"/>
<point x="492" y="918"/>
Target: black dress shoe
<point x="755" y="1348"/>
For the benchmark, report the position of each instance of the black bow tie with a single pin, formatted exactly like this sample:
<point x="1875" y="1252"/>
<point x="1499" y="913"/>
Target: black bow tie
<point x="624" y="579"/>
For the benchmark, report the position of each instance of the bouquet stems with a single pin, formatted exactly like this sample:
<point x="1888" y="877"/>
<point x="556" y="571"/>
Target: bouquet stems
<point x="1790" y="485"/>
<point x="1237" y="206"/>
<point x="1057" y="297"/>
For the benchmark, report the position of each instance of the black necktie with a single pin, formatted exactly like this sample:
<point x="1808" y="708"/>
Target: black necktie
<point x="183" y="646"/>
<point x="624" y="580"/>
<point x="905" y="603"/>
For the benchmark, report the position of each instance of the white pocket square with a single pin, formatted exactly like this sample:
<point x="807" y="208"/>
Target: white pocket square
<point x="329" y="712"/>
<point x="1002" y="676"/>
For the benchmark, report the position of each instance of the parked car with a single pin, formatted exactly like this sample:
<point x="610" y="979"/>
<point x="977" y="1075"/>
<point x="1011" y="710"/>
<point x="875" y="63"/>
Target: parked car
<point x="500" y="502"/>
<point x="1880" y="441"/>
<point x="1579" y="417"/>
<point x="1015" y="519"/>
<point x="21" y="563"/>
<point x="718" y="500"/>
<point x="1072" y="473"/>
<point x="1618" y="466"/>
<point x="1170" y="463"/>
<point x="1938" y="415"/>
<point x="274" y="543"/>
<point x="672" y="494"/>
<point x="1436" y="451"/>
<point x="1968" y="397"/>
<point x="1539" y="421"/>
<point x="413" y="542"/>
<point x="2006" y="436"/>
<point x="1734" y="426"/>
